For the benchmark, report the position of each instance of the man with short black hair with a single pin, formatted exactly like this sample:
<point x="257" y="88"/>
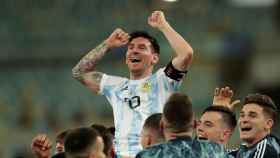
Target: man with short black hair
<point x="60" y="137"/>
<point x="177" y="124"/>
<point x="107" y="139"/>
<point x="217" y="124"/>
<point x="151" y="133"/>
<point x="84" y="143"/>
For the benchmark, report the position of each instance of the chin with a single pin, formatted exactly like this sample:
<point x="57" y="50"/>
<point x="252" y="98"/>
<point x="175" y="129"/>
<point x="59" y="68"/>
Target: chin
<point x="135" y="70"/>
<point x="246" y="138"/>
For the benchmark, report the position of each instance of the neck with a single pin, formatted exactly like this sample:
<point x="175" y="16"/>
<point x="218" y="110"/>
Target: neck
<point x="255" y="141"/>
<point x="140" y="74"/>
<point x="171" y="135"/>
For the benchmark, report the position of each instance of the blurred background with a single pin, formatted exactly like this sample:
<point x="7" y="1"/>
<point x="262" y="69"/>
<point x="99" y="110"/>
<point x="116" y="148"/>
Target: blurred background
<point x="236" y="43"/>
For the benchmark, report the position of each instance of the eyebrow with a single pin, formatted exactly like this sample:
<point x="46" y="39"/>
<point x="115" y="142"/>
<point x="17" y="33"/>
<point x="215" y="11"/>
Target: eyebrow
<point x="209" y="122"/>
<point x="252" y="112"/>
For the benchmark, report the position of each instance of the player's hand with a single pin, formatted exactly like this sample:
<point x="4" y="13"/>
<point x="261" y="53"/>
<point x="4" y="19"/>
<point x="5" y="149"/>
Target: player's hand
<point x="157" y="20"/>
<point x="223" y="96"/>
<point x="41" y="146"/>
<point x="117" y="38"/>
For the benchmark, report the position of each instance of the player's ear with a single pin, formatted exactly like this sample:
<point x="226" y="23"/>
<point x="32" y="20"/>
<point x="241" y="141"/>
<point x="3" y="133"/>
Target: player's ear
<point x="149" y="141"/>
<point x="269" y="124"/>
<point x="155" y="58"/>
<point x="226" y="134"/>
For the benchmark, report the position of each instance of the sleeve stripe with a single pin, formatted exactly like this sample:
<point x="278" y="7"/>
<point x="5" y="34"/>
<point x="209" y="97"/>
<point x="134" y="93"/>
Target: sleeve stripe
<point x="261" y="149"/>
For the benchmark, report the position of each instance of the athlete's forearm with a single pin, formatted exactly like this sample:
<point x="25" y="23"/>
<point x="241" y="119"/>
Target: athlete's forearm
<point x="89" y="61"/>
<point x="181" y="47"/>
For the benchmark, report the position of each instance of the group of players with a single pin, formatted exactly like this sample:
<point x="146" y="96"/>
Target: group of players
<point x="149" y="112"/>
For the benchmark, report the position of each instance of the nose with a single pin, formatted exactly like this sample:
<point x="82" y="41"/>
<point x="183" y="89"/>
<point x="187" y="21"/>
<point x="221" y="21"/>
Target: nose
<point x="134" y="52"/>
<point x="199" y="128"/>
<point x="243" y="119"/>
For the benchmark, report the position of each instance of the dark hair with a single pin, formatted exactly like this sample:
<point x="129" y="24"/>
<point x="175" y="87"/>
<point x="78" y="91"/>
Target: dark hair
<point x="153" y="123"/>
<point x="61" y="136"/>
<point x="79" y="141"/>
<point x="264" y="101"/>
<point x="144" y="34"/>
<point x="178" y="112"/>
<point x="228" y="116"/>
<point x="106" y="136"/>
<point x="112" y="130"/>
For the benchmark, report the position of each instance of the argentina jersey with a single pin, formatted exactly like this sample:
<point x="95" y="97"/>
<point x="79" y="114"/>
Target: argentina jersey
<point x="132" y="102"/>
<point x="268" y="147"/>
<point x="184" y="147"/>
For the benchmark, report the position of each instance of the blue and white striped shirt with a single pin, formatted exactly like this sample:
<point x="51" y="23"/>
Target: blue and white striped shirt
<point x="133" y="101"/>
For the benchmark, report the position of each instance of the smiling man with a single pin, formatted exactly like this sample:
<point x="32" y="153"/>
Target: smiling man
<point x="135" y="98"/>
<point x="217" y="124"/>
<point x="256" y="120"/>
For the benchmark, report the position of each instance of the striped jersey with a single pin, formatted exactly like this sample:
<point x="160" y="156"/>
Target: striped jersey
<point x="185" y="147"/>
<point x="132" y="102"/>
<point x="268" y="147"/>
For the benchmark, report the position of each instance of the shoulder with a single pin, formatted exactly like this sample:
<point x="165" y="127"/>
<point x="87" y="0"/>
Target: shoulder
<point x="265" y="149"/>
<point x="153" y="151"/>
<point x="210" y="144"/>
<point x="112" y="80"/>
<point x="212" y="148"/>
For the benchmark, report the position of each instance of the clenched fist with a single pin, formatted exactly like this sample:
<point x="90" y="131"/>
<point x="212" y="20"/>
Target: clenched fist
<point x="117" y="38"/>
<point x="41" y="146"/>
<point x="157" y="20"/>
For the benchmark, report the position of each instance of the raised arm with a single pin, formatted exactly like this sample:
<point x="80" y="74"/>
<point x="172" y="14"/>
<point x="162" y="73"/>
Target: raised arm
<point x="183" y="51"/>
<point x="85" y="72"/>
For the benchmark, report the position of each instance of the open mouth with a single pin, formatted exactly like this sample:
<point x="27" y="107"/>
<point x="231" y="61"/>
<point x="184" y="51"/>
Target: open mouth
<point x="246" y="129"/>
<point x="135" y="60"/>
<point x="202" y="138"/>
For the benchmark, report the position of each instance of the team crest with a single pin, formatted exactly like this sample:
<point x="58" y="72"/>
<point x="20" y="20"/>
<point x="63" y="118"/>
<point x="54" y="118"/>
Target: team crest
<point x="147" y="87"/>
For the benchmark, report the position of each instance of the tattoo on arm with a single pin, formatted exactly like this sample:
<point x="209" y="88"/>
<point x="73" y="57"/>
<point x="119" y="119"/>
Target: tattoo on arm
<point x="97" y="76"/>
<point x="89" y="61"/>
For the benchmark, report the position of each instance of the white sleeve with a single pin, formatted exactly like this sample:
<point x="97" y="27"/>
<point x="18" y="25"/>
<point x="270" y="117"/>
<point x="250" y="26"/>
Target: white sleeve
<point x="109" y="83"/>
<point x="169" y="84"/>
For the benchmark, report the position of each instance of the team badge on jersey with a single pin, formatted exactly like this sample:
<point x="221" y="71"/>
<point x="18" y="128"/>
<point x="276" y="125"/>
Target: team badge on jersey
<point x="147" y="87"/>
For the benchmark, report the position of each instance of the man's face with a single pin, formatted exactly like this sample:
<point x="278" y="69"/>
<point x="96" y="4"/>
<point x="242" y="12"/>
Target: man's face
<point x="211" y="127"/>
<point x="139" y="55"/>
<point x="59" y="146"/>
<point x="98" y="149"/>
<point x="253" y="124"/>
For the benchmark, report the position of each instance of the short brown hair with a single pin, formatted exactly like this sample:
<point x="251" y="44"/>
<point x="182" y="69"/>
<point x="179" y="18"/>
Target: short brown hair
<point x="264" y="101"/>
<point x="178" y="112"/>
